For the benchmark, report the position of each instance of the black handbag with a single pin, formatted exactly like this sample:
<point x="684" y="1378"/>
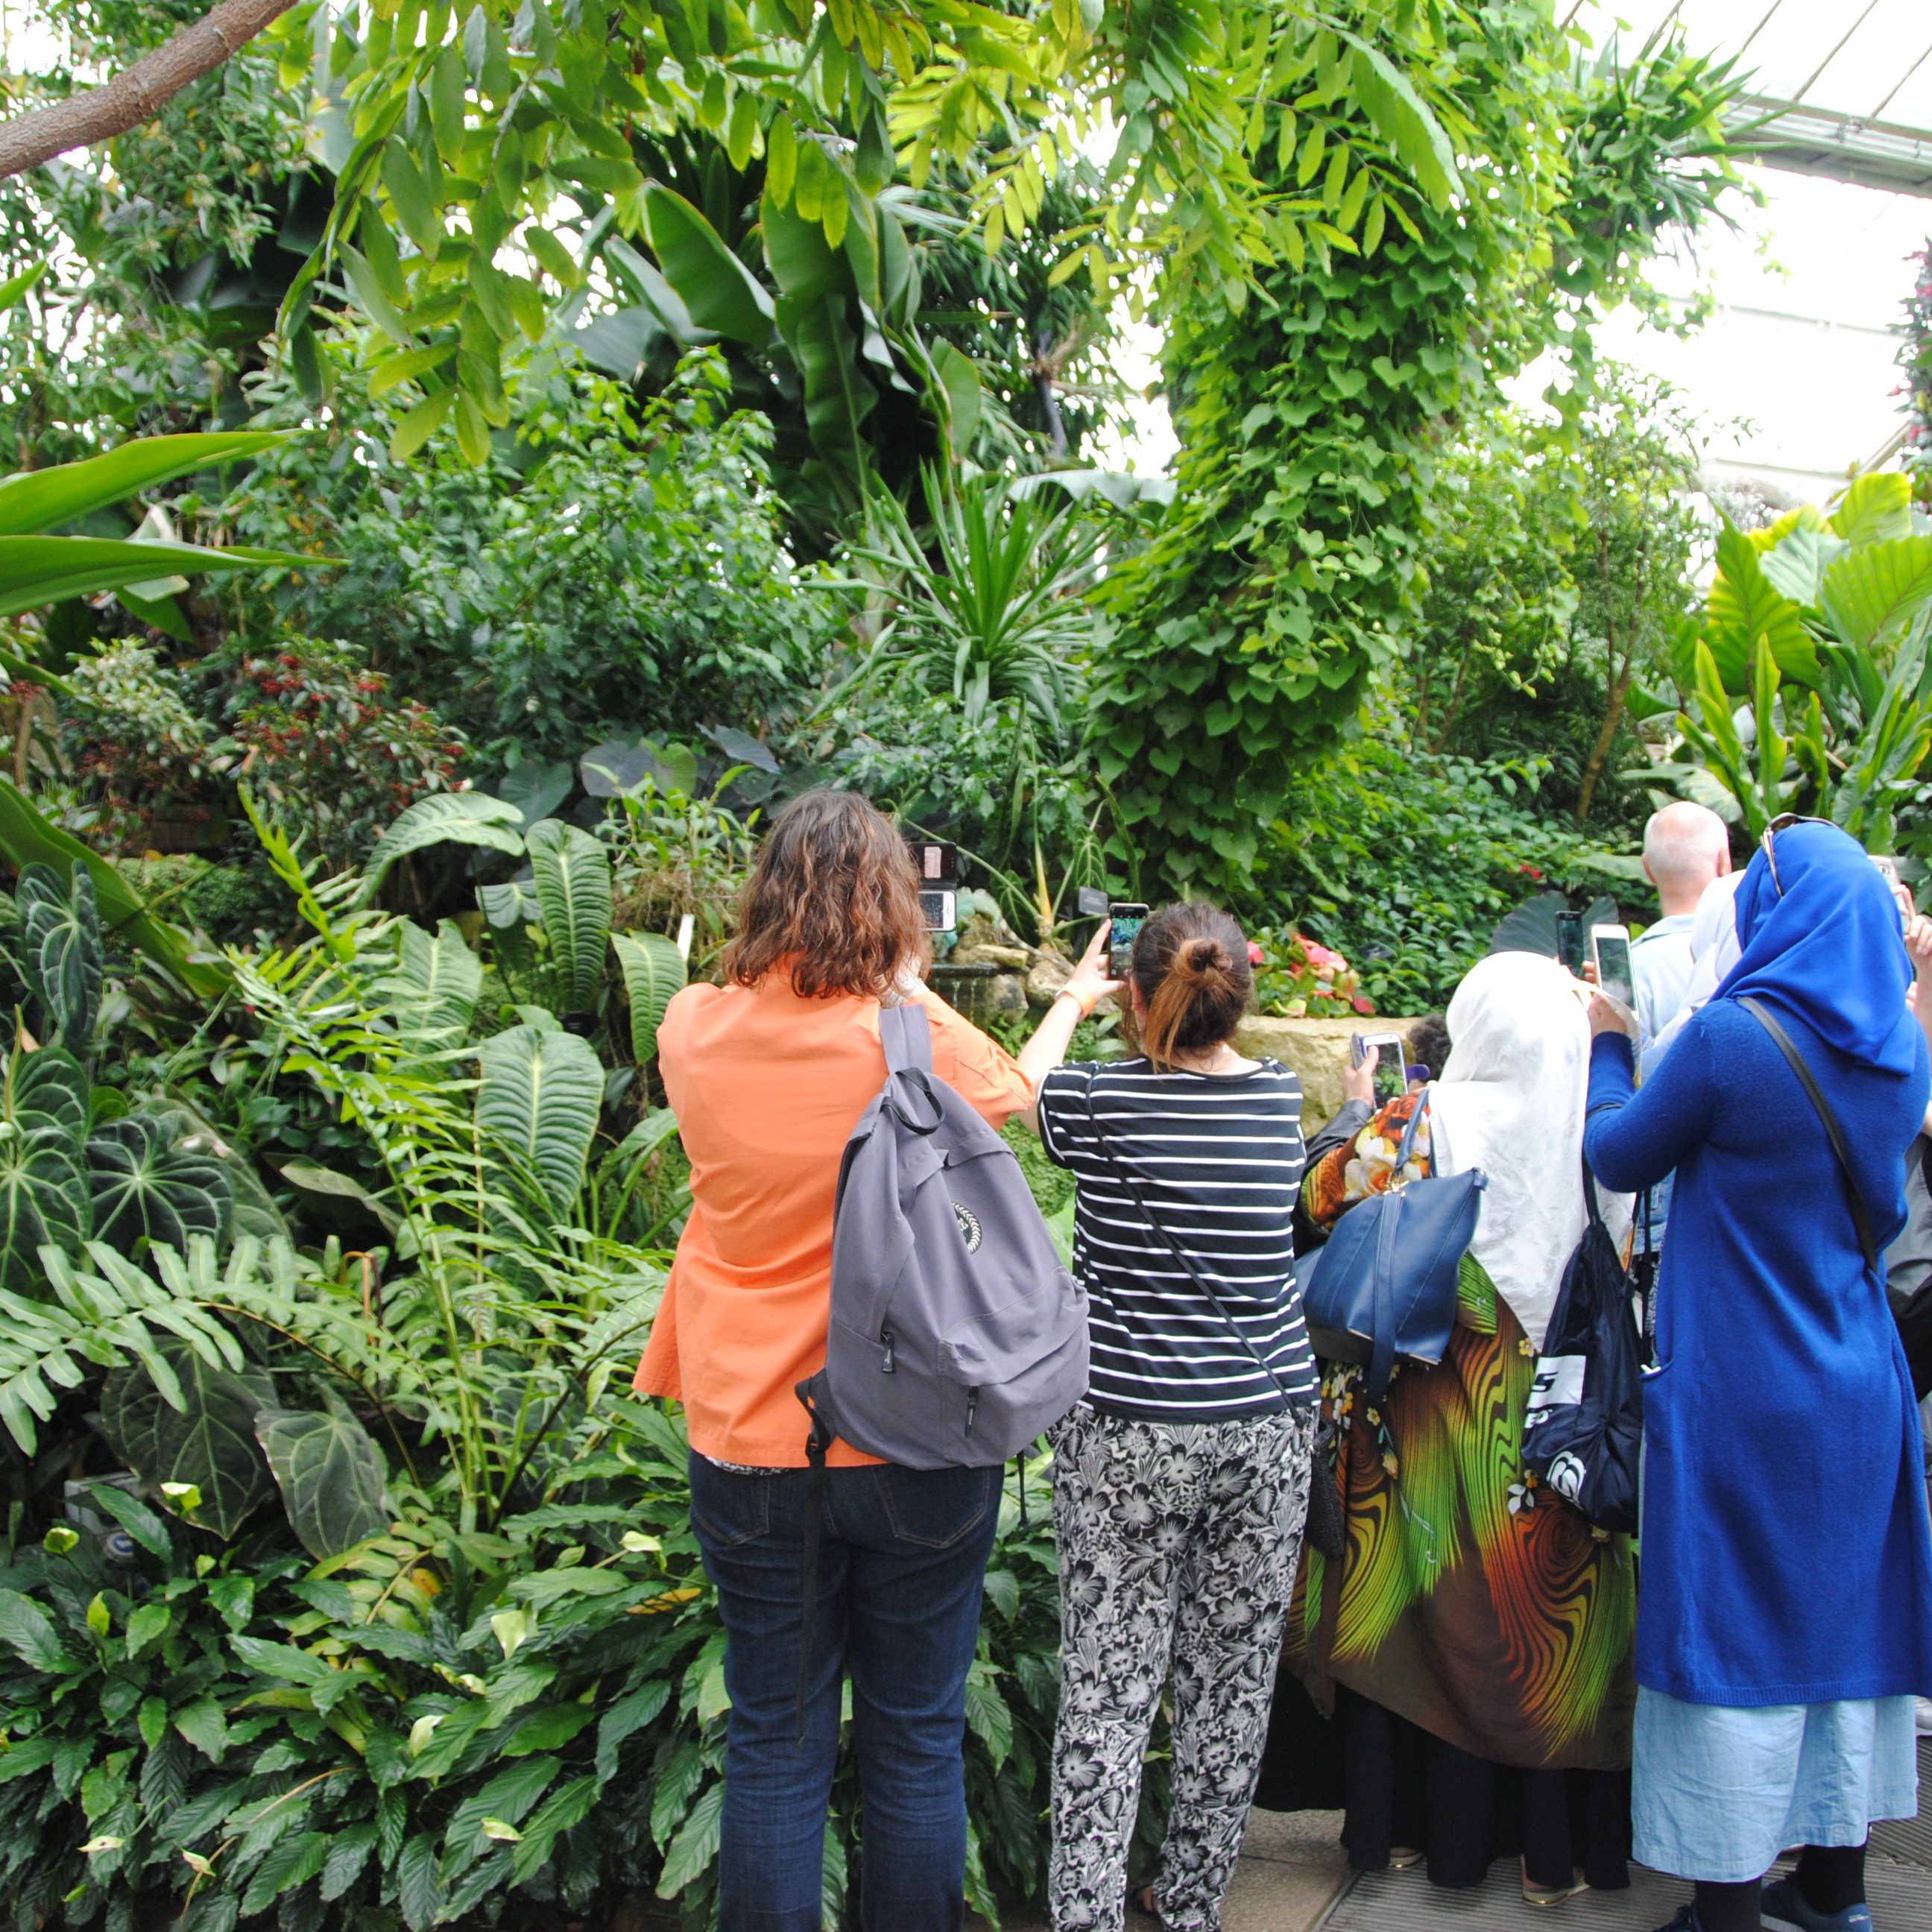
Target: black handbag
<point x="1384" y="1287"/>
<point x="1583" y="1429"/>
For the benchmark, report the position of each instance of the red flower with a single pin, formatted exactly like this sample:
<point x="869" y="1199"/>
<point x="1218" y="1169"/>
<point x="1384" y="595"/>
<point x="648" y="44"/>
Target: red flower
<point x="1363" y="1003"/>
<point x="1256" y="957"/>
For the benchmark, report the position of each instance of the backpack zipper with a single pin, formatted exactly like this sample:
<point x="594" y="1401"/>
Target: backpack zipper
<point x="972" y="1407"/>
<point x="886" y="1337"/>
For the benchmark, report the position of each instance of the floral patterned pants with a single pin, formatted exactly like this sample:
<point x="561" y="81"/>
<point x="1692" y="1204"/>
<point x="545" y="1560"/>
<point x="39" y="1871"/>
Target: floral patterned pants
<point x="1178" y="1550"/>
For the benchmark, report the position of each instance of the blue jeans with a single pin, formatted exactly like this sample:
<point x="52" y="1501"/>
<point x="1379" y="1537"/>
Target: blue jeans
<point x="902" y="1563"/>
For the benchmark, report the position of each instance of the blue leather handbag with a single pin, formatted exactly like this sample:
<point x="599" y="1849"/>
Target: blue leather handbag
<point x="1384" y="1286"/>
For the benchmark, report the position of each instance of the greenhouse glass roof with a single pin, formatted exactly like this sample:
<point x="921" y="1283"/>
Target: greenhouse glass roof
<point x="1838" y="88"/>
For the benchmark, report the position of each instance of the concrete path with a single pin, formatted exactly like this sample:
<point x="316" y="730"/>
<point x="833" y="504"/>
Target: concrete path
<point x="1293" y="1878"/>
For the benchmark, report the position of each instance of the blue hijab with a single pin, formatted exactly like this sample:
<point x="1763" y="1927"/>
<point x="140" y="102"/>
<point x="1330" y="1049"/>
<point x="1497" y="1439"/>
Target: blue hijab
<point x="1827" y="951"/>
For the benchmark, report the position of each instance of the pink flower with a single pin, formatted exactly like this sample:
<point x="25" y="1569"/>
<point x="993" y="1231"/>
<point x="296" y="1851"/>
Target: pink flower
<point x="1256" y="957"/>
<point x="1363" y="1003"/>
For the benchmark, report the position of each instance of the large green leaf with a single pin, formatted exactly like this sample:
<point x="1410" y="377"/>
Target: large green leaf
<point x="437" y="980"/>
<point x="44" y="1198"/>
<point x="444" y="817"/>
<point x="330" y="1474"/>
<point x="27" y="838"/>
<point x="208" y="1445"/>
<point x="42" y="499"/>
<point x="44" y="1203"/>
<point x="801" y="262"/>
<point x="60" y="935"/>
<point x="1744" y="607"/>
<point x="653" y="970"/>
<point x="573" y="881"/>
<point x="538" y="1102"/>
<point x="837" y="396"/>
<point x="35" y="571"/>
<point x="1876" y="507"/>
<point x="1872" y="593"/>
<point x="147" y="1180"/>
<point x="1797" y="563"/>
<point x="717" y="288"/>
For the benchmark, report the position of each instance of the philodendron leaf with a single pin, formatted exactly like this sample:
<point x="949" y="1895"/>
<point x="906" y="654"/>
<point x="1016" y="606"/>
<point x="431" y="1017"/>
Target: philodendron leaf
<point x="145" y="1180"/>
<point x="653" y="970"/>
<point x="330" y="1474"/>
<point x="49" y="1089"/>
<point x="573" y="881"/>
<point x="60" y="944"/>
<point x="44" y="1203"/>
<point x="444" y="817"/>
<point x="538" y="1102"/>
<point x="437" y="980"/>
<point x="205" y="1449"/>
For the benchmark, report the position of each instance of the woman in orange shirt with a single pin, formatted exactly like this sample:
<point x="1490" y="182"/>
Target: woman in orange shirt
<point x="768" y="1074"/>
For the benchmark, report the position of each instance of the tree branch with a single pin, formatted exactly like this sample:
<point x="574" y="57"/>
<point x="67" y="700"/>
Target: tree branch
<point x="138" y="95"/>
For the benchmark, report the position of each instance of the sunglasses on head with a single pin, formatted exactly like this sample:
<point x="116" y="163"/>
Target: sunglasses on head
<point x="1783" y="822"/>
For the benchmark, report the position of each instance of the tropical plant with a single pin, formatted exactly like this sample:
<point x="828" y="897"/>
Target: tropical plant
<point x="1819" y="625"/>
<point x="1249" y="629"/>
<point x="145" y="572"/>
<point x="990" y="611"/>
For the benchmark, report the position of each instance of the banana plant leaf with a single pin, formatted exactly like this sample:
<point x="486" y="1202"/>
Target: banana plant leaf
<point x="42" y="499"/>
<point x="38" y="570"/>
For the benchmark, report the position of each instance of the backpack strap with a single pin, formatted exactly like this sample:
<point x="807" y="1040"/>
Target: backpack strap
<point x="905" y="1032"/>
<point x="1861" y="1218"/>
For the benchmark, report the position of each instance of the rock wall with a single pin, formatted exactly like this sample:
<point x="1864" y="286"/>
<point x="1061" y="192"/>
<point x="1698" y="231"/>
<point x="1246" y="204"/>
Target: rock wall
<point x="1318" y="1050"/>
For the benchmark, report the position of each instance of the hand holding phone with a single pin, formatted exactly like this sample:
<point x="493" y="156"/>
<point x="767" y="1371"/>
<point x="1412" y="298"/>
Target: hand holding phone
<point x="1125" y="918"/>
<point x="1389" y="1051"/>
<point x="1610" y="947"/>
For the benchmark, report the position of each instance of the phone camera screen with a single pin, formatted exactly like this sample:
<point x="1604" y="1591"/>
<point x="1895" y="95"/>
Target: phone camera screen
<point x="1122" y="931"/>
<point x="1391" y="1071"/>
<point x="1613" y="970"/>
<point x="1569" y="941"/>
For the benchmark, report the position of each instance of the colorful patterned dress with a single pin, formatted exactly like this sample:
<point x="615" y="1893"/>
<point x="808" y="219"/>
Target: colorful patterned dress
<point x="1480" y="1609"/>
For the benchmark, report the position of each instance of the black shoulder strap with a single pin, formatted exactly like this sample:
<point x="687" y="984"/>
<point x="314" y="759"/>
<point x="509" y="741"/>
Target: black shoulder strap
<point x="1131" y="1182"/>
<point x="1816" y="1093"/>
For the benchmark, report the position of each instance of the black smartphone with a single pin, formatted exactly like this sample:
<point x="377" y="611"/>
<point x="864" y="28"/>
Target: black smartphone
<point x="1612" y="947"/>
<point x="1570" y="942"/>
<point x="1125" y="918"/>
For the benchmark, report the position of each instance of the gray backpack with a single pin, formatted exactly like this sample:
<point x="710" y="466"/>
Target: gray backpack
<point x="957" y="1335"/>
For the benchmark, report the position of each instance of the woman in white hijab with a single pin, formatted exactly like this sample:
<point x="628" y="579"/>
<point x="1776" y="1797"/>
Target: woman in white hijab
<point x="1473" y="1643"/>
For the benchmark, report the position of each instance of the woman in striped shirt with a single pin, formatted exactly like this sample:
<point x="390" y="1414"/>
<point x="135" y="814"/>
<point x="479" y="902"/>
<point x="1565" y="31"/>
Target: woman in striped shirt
<point x="1180" y="1483"/>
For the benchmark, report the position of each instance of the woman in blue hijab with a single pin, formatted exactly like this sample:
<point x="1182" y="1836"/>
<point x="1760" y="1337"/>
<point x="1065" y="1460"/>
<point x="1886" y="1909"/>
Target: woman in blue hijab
<point x="1784" y="1614"/>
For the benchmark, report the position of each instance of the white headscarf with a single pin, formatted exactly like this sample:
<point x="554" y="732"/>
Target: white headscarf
<point x="1510" y="1101"/>
<point x="1713" y="952"/>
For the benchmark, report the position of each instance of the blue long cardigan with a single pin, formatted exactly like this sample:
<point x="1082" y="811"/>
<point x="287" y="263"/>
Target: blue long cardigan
<point x="1787" y="1552"/>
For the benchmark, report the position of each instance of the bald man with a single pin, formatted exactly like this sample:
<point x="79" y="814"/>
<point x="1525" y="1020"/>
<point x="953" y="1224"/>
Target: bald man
<point x="1685" y="846"/>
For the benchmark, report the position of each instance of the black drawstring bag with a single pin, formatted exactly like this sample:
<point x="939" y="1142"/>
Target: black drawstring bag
<point x="1584" y="1427"/>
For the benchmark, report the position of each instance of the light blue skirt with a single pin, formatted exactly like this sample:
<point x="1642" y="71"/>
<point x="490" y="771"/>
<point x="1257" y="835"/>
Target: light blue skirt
<point x="1718" y="1792"/>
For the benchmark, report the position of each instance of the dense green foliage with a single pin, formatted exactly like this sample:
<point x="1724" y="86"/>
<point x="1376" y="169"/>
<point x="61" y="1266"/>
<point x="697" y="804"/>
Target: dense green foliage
<point x="1250" y="625"/>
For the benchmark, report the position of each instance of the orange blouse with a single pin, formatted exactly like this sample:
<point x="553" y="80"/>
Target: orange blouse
<point x="767" y="1088"/>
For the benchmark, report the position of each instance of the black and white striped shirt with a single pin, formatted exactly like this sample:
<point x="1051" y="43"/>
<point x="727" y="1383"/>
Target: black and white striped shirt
<point x="1219" y="1158"/>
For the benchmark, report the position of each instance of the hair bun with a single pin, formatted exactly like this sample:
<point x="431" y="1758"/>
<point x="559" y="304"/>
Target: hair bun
<point x="1205" y="955"/>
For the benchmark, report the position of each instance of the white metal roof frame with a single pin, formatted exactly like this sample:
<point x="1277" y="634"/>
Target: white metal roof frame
<point x="1837" y="87"/>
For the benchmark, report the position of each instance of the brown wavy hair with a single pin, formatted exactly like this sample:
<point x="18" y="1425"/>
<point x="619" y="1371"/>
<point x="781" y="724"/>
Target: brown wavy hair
<point x="1191" y="965"/>
<point x="835" y="894"/>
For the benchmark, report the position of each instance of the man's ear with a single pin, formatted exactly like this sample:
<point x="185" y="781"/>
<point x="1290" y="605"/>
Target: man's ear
<point x="1647" y="873"/>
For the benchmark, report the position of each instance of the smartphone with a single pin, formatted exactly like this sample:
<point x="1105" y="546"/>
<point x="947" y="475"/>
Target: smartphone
<point x="1610" y="945"/>
<point x="1125" y="918"/>
<point x="1391" y="1052"/>
<point x="938" y="865"/>
<point x="1570" y="942"/>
